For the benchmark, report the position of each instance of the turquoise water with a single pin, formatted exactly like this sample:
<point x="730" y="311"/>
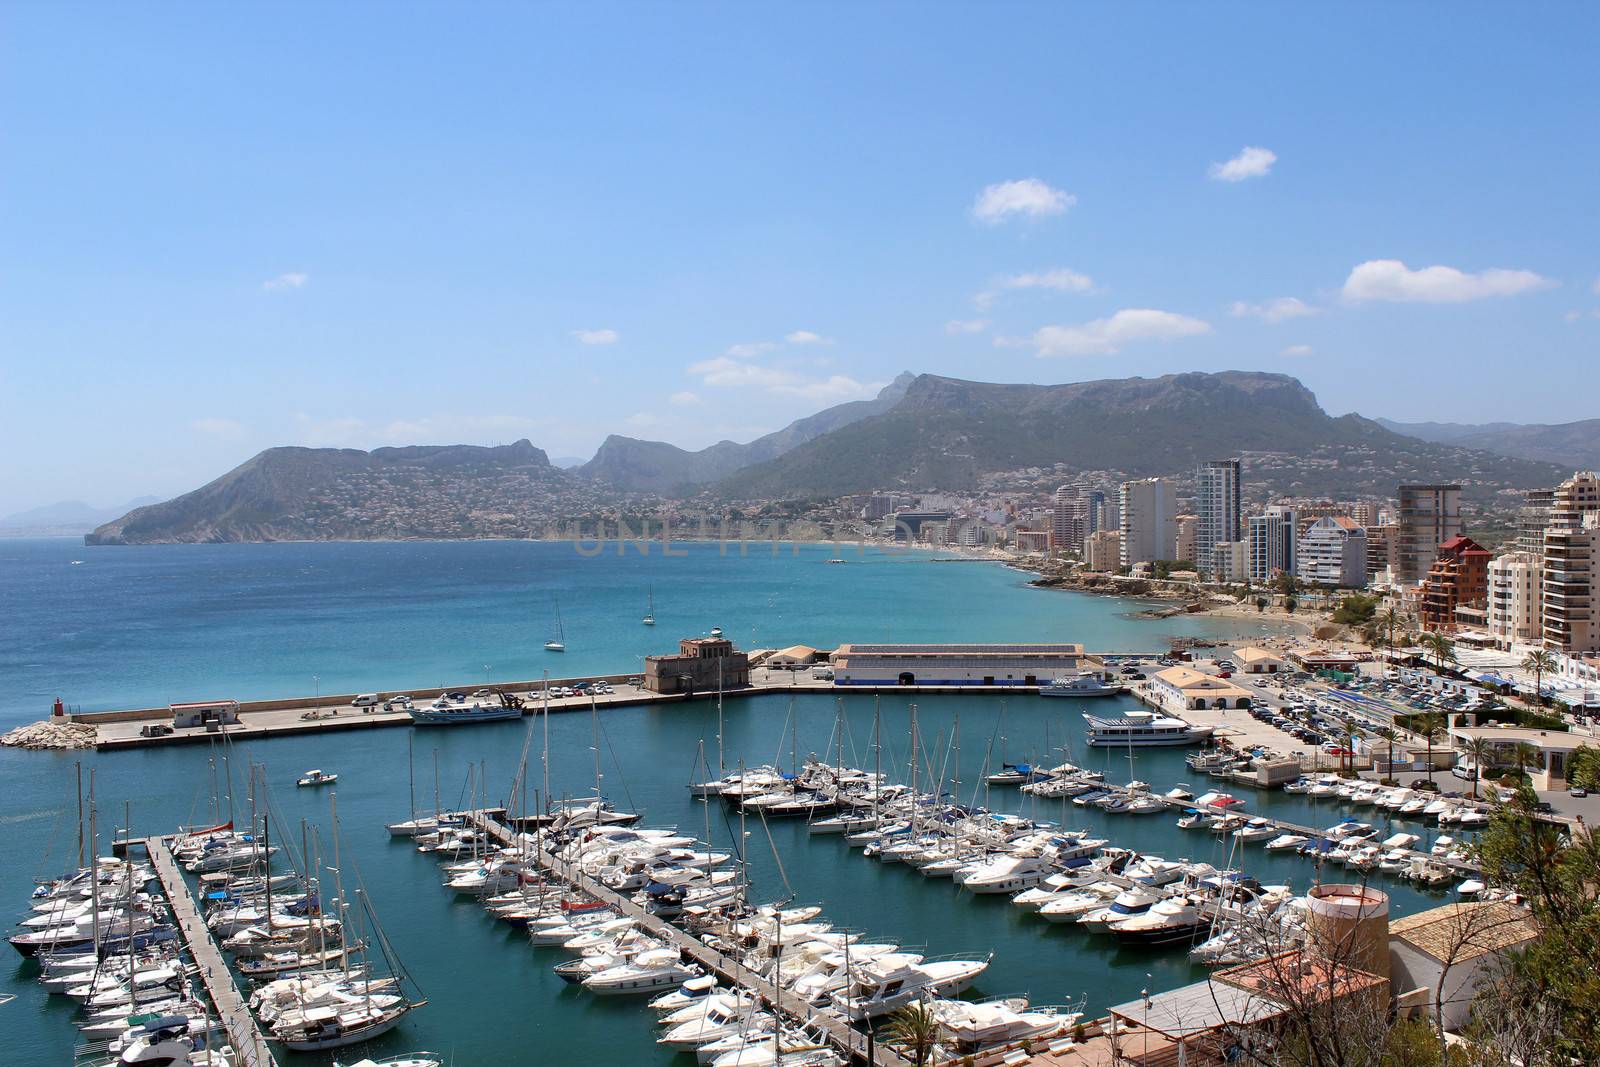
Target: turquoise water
<point x="131" y="626"/>
<point x="150" y="625"/>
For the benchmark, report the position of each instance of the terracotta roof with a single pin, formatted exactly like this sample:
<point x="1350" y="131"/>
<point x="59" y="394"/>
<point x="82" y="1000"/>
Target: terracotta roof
<point x="1456" y="933"/>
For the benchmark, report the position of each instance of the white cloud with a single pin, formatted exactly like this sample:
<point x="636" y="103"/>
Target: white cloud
<point x="597" y="337"/>
<point x="966" y="326"/>
<point x="729" y="373"/>
<point x="1390" y="279"/>
<point x="1025" y="196"/>
<point x="1251" y="162"/>
<point x="1060" y="279"/>
<point x="806" y="337"/>
<point x="1279" y="310"/>
<point x="1106" y="336"/>
<point x="1297" y="350"/>
<point x="218" y="427"/>
<point x="684" y="399"/>
<point x="292" y="280"/>
<point x="750" y="349"/>
<point x="445" y="428"/>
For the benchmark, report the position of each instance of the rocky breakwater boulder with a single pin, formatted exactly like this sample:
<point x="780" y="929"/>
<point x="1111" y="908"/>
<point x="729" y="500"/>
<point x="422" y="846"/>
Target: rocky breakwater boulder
<point x="51" y="733"/>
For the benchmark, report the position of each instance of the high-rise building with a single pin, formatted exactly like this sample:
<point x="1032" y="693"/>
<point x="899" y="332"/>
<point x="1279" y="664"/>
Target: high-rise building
<point x="1383" y="551"/>
<point x="1216" y="502"/>
<point x="1102" y="550"/>
<point x="1514" y="615"/>
<point x="1571" y="583"/>
<point x="1458" y="578"/>
<point x="1429" y="516"/>
<point x="1333" y="552"/>
<point x="1148" y="507"/>
<point x="1183" y="543"/>
<point x="1364" y="514"/>
<point x="1107" y="516"/>
<point x="1273" y="535"/>
<point x="1069" y="517"/>
<point x="1532" y="518"/>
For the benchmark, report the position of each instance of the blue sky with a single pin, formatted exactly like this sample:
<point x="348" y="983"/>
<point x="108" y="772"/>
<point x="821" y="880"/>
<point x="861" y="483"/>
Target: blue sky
<point x="228" y="228"/>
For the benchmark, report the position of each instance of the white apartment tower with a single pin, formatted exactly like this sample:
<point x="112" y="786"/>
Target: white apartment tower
<point x="1514" y="615"/>
<point x="1272" y="542"/>
<point x="1571" y="584"/>
<point x="1216" y="503"/>
<point x="1148" y="509"/>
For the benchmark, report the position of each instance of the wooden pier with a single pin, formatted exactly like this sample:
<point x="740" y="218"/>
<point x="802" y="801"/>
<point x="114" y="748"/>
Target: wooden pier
<point x="243" y="1033"/>
<point x="852" y="1042"/>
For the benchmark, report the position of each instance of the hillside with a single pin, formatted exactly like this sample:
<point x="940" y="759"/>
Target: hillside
<point x="64" y="517"/>
<point x="448" y="491"/>
<point x="947" y="433"/>
<point x="1572" y="445"/>
<point x="656" y="466"/>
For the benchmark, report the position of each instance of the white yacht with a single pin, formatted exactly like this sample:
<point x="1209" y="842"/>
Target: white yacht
<point x="1140" y="729"/>
<point x="648" y="972"/>
<point x="1086" y="684"/>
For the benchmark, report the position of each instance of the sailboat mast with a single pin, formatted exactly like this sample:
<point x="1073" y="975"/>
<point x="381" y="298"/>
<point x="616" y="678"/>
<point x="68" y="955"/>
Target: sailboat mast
<point x="594" y="722"/>
<point x="546" y="757"/>
<point x="79" y="765"/>
<point x="722" y="766"/>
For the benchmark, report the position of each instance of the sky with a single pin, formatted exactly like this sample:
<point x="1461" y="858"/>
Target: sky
<point x="230" y="227"/>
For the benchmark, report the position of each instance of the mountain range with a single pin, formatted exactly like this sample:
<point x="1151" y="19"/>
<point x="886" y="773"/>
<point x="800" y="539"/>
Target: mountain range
<point x="922" y="432"/>
<point x="656" y="466"/>
<point x="1574" y="445"/>
<point x="65" y="517"/>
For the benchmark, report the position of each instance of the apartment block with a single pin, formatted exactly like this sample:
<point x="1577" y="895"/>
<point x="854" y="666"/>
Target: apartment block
<point x="1102" y="550"/>
<point x="1570" y="581"/>
<point x="1333" y="553"/>
<point x="1183" y="544"/>
<point x="1273" y="535"/>
<point x="1218" y="507"/>
<point x="1514" y="601"/>
<point x="1148" y="509"/>
<point x="1429" y="515"/>
<point x="1458" y="578"/>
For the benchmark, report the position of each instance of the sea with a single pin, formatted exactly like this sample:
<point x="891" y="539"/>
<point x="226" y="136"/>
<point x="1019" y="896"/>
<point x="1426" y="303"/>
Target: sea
<point x="121" y="627"/>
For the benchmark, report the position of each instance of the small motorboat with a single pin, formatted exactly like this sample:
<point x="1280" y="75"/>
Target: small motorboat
<point x="317" y="777"/>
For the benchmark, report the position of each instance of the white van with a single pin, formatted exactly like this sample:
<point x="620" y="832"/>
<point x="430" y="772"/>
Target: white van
<point x="366" y="700"/>
<point x="822" y="673"/>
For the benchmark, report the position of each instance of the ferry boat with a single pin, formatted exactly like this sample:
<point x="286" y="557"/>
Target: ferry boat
<point x="444" y="713"/>
<point x="1086" y="684"/>
<point x="1142" y="728"/>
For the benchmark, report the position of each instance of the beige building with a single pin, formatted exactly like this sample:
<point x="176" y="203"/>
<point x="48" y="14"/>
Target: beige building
<point x="1230" y="561"/>
<point x="1571" y="583"/>
<point x="1253" y="660"/>
<point x="1102" y="550"/>
<point x="1183" y="544"/>
<point x="1148" y="509"/>
<point x="1184" y="688"/>
<point x="1514" y="602"/>
<point x="1554" y="748"/>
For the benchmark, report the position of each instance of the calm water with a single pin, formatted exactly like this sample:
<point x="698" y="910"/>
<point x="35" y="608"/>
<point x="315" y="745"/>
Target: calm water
<point x="147" y="625"/>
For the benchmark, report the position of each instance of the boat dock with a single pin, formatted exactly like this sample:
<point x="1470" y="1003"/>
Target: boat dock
<point x="850" y="1041"/>
<point x="249" y="1045"/>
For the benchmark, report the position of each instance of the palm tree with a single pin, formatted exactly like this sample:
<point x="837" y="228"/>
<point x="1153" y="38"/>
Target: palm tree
<point x="1261" y="604"/>
<point x="914" y="1030"/>
<point x="1441" y="648"/>
<point x="1527" y="756"/>
<point x="1539" y="661"/>
<point x="1387" y="734"/>
<point x="1480" y="750"/>
<point x="1388" y="619"/>
<point x="1289" y="604"/>
<point x="1429" y="725"/>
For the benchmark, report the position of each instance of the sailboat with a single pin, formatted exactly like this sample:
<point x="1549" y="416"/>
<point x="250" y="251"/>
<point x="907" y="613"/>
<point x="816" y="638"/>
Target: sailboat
<point x="650" y="608"/>
<point x="558" y="643"/>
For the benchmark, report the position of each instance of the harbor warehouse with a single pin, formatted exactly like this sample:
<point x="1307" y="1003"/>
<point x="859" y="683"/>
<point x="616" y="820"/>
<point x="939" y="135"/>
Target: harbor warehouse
<point x="1185" y="688"/>
<point x="997" y="665"/>
<point x="206" y="713"/>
